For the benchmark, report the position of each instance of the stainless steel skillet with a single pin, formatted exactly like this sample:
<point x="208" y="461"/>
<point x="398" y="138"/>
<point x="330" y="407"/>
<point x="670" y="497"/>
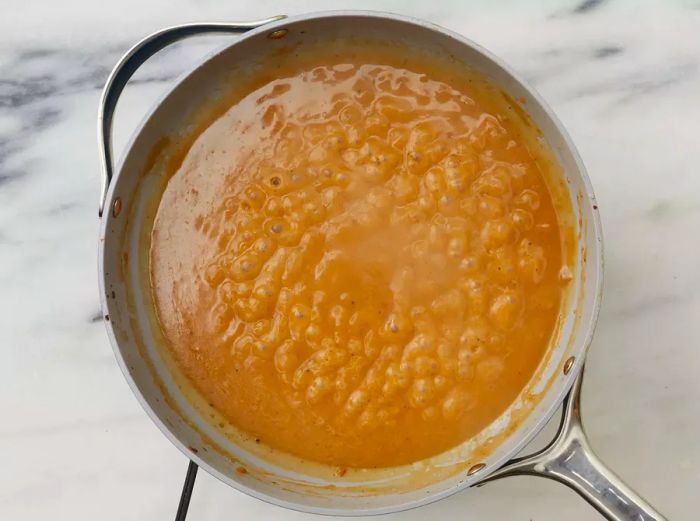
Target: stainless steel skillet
<point x="127" y="204"/>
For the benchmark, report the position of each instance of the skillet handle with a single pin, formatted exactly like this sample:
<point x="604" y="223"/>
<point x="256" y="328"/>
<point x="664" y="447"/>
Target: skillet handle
<point x="570" y="460"/>
<point x="130" y="62"/>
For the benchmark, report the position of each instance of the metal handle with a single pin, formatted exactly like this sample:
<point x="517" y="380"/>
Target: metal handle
<point x="131" y="61"/>
<point x="186" y="494"/>
<point x="570" y="460"/>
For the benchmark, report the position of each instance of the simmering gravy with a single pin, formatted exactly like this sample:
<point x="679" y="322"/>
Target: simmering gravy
<point x="360" y="262"/>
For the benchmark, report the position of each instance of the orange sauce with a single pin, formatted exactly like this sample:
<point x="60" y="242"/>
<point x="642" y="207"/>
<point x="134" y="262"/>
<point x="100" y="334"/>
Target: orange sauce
<point x="359" y="263"/>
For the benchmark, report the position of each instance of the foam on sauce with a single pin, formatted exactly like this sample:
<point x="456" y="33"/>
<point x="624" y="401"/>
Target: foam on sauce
<point x="359" y="262"/>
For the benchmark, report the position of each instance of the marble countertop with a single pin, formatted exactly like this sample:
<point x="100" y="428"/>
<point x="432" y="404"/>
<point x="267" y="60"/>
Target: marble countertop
<point x="624" y="77"/>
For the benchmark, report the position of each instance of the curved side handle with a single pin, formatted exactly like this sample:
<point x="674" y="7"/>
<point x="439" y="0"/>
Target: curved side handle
<point x="570" y="460"/>
<point x="131" y="61"/>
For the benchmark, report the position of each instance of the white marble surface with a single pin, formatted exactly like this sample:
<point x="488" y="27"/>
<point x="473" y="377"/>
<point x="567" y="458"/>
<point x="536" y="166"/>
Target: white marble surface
<point x="623" y="76"/>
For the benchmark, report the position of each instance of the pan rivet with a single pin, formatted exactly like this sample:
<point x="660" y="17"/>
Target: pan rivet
<point x="476" y="468"/>
<point x="116" y="207"/>
<point x="569" y="364"/>
<point x="276" y="35"/>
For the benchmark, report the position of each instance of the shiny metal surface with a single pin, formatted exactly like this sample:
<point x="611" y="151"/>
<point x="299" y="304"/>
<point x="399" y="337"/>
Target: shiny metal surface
<point x="569" y="461"/>
<point x="127" y="66"/>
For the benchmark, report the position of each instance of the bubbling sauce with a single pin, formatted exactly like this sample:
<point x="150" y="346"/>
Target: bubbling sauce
<point x="358" y="263"/>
